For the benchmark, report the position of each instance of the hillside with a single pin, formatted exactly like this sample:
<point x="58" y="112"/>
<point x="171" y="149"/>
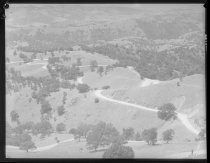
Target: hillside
<point x="84" y="79"/>
<point x="144" y="33"/>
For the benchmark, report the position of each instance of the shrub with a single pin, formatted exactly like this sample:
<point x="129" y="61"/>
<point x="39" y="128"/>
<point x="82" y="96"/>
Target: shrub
<point x="60" y="127"/>
<point x="96" y="100"/>
<point x="150" y="136"/>
<point x="44" y="128"/>
<point x="128" y="133"/>
<point x="167" y="112"/>
<point x="26" y="142"/>
<point x="83" y="88"/>
<point x="119" y="151"/>
<point x="14" y="116"/>
<point x="202" y="134"/>
<point x="102" y="134"/>
<point x="168" y="135"/>
<point x="93" y="65"/>
<point x="45" y="107"/>
<point x="60" y="110"/>
<point x="106" y="87"/>
<point x="138" y="137"/>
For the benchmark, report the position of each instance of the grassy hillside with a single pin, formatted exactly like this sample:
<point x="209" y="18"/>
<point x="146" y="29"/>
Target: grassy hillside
<point x="117" y="78"/>
<point x="76" y="149"/>
<point x="191" y="91"/>
<point x="59" y="60"/>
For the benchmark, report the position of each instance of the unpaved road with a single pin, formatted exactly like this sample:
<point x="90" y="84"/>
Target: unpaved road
<point x="44" y="148"/>
<point x="182" y="117"/>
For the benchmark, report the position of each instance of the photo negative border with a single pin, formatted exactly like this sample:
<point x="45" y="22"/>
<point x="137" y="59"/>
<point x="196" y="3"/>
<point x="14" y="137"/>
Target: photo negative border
<point x="5" y="5"/>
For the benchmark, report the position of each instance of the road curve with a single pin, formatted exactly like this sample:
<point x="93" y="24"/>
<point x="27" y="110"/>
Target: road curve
<point x="182" y="117"/>
<point x="44" y="148"/>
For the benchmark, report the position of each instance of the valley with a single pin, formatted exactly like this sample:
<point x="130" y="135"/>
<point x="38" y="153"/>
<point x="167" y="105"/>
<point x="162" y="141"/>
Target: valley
<point x="116" y="77"/>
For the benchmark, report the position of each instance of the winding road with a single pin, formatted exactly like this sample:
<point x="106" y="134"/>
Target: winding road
<point x="98" y="93"/>
<point x="44" y="148"/>
<point x="182" y="117"/>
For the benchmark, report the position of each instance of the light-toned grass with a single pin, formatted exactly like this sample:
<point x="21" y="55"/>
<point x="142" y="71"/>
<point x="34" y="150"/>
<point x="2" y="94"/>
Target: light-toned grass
<point x="159" y="94"/>
<point x="75" y="149"/>
<point x="117" y="79"/>
<point x="72" y="149"/>
<point x="143" y="150"/>
<point x="28" y="111"/>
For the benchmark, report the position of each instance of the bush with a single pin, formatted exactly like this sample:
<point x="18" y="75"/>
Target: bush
<point x="26" y="142"/>
<point x="45" y="107"/>
<point x="14" y="116"/>
<point x="168" y="135"/>
<point x="128" y="133"/>
<point x="102" y="134"/>
<point x="60" y="127"/>
<point x="93" y="65"/>
<point x="138" y="137"/>
<point x="96" y="100"/>
<point x="27" y="145"/>
<point x="73" y="131"/>
<point x="119" y="151"/>
<point x="202" y="134"/>
<point x="150" y="136"/>
<point x="44" y="128"/>
<point x="120" y="140"/>
<point x="167" y="112"/>
<point x="81" y="131"/>
<point x="106" y="87"/>
<point x="60" y="110"/>
<point x="83" y="88"/>
<point x="23" y="127"/>
<point x="100" y="70"/>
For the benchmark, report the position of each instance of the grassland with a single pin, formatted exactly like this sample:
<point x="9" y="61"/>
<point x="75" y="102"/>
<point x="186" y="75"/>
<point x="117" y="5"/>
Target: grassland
<point x="124" y="85"/>
<point x="75" y="149"/>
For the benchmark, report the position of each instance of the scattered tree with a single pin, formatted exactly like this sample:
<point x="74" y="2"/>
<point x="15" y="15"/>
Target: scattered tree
<point x="106" y="87"/>
<point x="27" y="145"/>
<point x="100" y="70"/>
<point x="83" y="88"/>
<point x="202" y="134"/>
<point x="15" y="53"/>
<point x="138" y="137"/>
<point x="79" y="63"/>
<point x="73" y="131"/>
<point x="45" y="107"/>
<point x="60" y="127"/>
<point x="64" y="97"/>
<point x="60" y="110"/>
<point x="26" y="142"/>
<point x="96" y="100"/>
<point x="14" y="116"/>
<point x="44" y="128"/>
<point x="167" y="112"/>
<point x="102" y="134"/>
<point x="93" y="65"/>
<point x="28" y="126"/>
<point x="120" y="140"/>
<point x="33" y="56"/>
<point x="128" y="133"/>
<point x="83" y="129"/>
<point x="119" y="151"/>
<point x="150" y="136"/>
<point x="168" y="135"/>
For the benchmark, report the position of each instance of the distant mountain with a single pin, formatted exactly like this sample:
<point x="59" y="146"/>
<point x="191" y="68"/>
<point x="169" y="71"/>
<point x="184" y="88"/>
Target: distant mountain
<point x="156" y="41"/>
